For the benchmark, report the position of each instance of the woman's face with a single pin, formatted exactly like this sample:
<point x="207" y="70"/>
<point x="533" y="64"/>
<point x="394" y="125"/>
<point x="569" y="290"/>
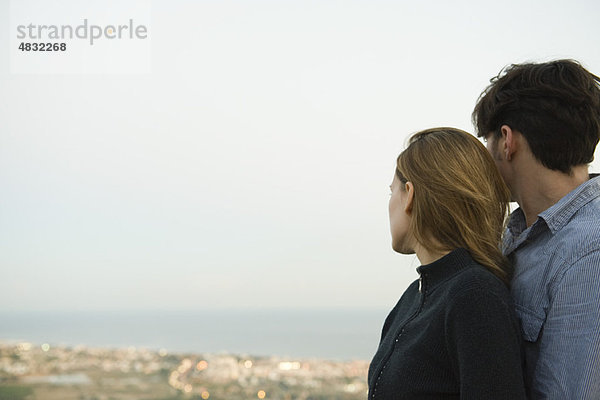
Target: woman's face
<point x="399" y="210"/>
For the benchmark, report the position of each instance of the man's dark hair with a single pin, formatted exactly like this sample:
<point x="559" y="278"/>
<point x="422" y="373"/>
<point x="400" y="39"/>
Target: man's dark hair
<point x="554" y="105"/>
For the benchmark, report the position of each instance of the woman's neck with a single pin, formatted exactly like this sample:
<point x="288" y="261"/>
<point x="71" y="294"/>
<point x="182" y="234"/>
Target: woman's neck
<point x="428" y="255"/>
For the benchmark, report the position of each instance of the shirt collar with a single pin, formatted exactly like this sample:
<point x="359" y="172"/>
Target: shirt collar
<point x="559" y="214"/>
<point x="517" y="223"/>
<point x="442" y="269"/>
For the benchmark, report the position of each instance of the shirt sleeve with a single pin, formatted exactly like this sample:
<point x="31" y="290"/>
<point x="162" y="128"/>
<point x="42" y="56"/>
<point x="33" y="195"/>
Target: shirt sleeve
<point x="568" y="364"/>
<point x="484" y="343"/>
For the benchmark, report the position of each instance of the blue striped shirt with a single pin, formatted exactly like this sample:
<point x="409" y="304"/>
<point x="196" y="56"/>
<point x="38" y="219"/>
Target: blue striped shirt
<point x="556" y="290"/>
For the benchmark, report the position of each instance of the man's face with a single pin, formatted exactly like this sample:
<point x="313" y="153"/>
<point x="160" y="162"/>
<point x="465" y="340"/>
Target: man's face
<point x="491" y="142"/>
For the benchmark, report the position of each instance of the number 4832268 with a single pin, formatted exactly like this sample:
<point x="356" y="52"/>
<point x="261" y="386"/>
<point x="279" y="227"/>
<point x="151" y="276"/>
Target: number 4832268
<point x="42" y="46"/>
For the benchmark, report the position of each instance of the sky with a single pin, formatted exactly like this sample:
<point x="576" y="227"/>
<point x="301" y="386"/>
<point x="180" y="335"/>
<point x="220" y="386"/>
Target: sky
<point x="246" y="164"/>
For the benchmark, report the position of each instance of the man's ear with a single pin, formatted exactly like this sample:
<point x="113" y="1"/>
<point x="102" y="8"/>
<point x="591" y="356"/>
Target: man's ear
<point x="509" y="144"/>
<point x="410" y="194"/>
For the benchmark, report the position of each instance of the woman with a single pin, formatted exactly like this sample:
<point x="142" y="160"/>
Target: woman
<point x="453" y="333"/>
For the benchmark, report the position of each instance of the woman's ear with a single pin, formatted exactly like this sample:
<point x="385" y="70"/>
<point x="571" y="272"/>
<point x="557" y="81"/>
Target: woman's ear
<point x="410" y="194"/>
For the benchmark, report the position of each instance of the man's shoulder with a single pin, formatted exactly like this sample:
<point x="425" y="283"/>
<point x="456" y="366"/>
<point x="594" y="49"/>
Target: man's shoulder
<point x="582" y="203"/>
<point x="585" y="222"/>
<point x="566" y="243"/>
<point x="580" y="235"/>
<point x="573" y="223"/>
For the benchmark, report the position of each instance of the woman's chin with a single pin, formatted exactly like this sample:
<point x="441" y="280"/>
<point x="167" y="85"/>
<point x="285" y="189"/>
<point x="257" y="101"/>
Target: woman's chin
<point x="402" y="249"/>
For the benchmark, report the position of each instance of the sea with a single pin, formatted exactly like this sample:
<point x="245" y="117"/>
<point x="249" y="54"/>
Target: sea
<point x="297" y="333"/>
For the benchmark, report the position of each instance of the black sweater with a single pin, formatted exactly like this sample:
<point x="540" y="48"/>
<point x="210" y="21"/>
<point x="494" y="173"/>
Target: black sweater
<point x="452" y="335"/>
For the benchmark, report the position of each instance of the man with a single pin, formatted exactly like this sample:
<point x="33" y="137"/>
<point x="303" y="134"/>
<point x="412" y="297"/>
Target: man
<point x="542" y="125"/>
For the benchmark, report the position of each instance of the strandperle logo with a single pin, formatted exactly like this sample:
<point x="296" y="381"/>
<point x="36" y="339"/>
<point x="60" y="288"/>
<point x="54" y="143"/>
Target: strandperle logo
<point x="83" y="31"/>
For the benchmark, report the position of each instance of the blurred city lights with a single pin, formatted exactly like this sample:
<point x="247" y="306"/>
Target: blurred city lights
<point x="202" y="365"/>
<point x="25" y="346"/>
<point x="288" y="366"/>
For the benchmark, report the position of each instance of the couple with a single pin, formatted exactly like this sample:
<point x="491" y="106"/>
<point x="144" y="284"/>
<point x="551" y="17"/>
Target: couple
<point x="500" y="315"/>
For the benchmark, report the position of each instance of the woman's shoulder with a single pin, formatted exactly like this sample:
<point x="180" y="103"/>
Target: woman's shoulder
<point x="475" y="280"/>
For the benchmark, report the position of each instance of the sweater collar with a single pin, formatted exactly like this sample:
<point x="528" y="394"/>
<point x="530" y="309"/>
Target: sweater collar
<point x="434" y="274"/>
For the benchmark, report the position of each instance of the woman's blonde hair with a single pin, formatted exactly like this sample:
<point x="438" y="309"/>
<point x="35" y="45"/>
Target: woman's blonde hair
<point x="460" y="199"/>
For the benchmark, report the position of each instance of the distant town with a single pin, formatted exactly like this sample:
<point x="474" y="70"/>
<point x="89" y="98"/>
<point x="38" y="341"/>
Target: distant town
<point x="44" y="372"/>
